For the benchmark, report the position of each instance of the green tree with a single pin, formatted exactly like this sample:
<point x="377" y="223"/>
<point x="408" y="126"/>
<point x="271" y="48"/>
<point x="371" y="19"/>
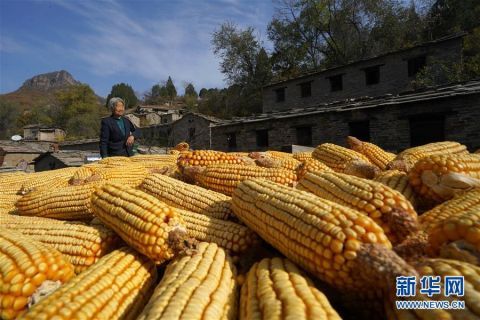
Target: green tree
<point x="190" y="90"/>
<point x="170" y="90"/>
<point x="202" y="92"/>
<point x="312" y="34"/>
<point x="124" y="91"/>
<point x="442" y="72"/>
<point x="449" y="16"/>
<point x="246" y="66"/>
<point x="9" y="114"/>
<point x="78" y="112"/>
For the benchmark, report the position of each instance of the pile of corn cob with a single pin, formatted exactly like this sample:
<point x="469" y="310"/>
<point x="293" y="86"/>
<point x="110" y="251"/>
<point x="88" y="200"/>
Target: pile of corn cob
<point x="247" y="235"/>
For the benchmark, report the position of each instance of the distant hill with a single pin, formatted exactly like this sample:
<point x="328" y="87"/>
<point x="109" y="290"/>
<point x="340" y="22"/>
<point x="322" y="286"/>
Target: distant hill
<point x="40" y="90"/>
<point x="50" y="81"/>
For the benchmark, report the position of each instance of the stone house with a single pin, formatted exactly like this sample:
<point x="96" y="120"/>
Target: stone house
<point x="192" y="127"/>
<point x="133" y="118"/>
<point x="41" y="132"/>
<point x="390" y="73"/>
<point x="13" y="153"/>
<point x="63" y="159"/>
<point x="395" y="122"/>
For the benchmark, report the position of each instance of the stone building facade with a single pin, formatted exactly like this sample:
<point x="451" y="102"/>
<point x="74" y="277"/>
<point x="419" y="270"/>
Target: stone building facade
<point x="393" y="122"/>
<point x="389" y="73"/>
<point x="192" y="127"/>
<point x="43" y="133"/>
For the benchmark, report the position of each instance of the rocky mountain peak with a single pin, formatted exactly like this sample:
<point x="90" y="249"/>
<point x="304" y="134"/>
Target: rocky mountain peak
<point x="52" y="80"/>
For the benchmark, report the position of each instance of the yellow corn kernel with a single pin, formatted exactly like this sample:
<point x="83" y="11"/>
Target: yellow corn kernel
<point x="438" y="178"/>
<point x="186" y="196"/>
<point x="140" y="219"/>
<point x="82" y="245"/>
<point x="27" y="266"/>
<point x="387" y="207"/>
<point x="374" y="153"/>
<point x="276" y="289"/>
<point x="201" y="286"/>
<point x="116" y="287"/>
<point x="337" y="157"/>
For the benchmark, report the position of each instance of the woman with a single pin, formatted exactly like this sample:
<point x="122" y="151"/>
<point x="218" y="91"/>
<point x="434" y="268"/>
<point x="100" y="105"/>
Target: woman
<point x="116" y="134"/>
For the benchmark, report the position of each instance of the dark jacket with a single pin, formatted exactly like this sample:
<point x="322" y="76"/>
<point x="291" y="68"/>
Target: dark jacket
<point x="112" y="141"/>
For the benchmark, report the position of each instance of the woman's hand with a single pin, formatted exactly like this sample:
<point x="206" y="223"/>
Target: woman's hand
<point x="130" y="141"/>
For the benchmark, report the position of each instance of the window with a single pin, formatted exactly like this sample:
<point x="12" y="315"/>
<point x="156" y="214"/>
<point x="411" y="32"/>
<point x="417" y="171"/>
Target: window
<point x="426" y="128"/>
<point x="232" y="140"/>
<point x="191" y="134"/>
<point x="304" y="136"/>
<point x="336" y="82"/>
<point x="415" y="65"/>
<point x="280" y="94"/>
<point x="372" y="75"/>
<point x="262" y="138"/>
<point x="360" y="130"/>
<point x="305" y="89"/>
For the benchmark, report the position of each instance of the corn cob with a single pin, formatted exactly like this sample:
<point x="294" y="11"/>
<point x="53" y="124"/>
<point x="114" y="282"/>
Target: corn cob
<point x="442" y="268"/>
<point x="238" y="154"/>
<point x="224" y="178"/>
<point x="361" y="169"/>
<point x="439" y="178"/>
<point x="406" y="159"/>
<point x="48" y="180"/>
<point x="398" y="180"/>
<point x="115" y="161"/>
<point x="81" y="175"/>
<point x="130" y="174"/>
<point x="286" y="163"/>
<point x="186" y="196"/>
<point x="182" y="146"/>
<point x="455" y="220"/>
<point x="374" y="153"/>
<point x="231" y="236"/>
<point x="198" y="287"/>
<point x="270" y="154"/>
<point x="68" y="203"/>
<point x="7" y="202"/>
<point x="11" y="176"/>
<point x="302" y="156"/>
<point x="146" y="224"/>
<point x="312" y="165"/>
<point x="116" y="287"/>
<point x="387" y="207"/>
<point x="82" y="245"/>
<point x="277" y="289"/>
<point x="166" y="158"/>
<point x="337" y="157"/>
<point x="206" y="158"/>
<point x="174" y="152"/>
<point x="337" y="244"/>
<point x="27" y="267"/>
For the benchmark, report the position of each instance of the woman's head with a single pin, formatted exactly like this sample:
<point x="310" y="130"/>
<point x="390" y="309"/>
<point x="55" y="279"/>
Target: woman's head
<point x="117" y="106"/>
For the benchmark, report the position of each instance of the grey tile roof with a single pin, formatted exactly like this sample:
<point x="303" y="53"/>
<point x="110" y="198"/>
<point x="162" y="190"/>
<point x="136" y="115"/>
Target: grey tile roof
<point x="442" y="92"/>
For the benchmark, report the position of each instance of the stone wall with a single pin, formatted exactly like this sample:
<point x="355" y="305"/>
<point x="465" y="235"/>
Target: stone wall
<point x="389" y="126"/>
<point x="193" y="129"/>
<point x="393" y="77"/>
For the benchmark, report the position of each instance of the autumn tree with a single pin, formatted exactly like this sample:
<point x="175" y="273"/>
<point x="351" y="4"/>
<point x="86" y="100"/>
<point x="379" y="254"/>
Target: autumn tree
<point x="124" y="91"/>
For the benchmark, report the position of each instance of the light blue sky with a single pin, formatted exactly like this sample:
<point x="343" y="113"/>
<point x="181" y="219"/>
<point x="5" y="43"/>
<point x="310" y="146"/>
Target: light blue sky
<point x="106" y="42"/>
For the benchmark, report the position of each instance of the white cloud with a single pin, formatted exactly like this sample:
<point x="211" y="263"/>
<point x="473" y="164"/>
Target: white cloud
<point x="10" y="45"/>
<point x="115" y="42"/>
